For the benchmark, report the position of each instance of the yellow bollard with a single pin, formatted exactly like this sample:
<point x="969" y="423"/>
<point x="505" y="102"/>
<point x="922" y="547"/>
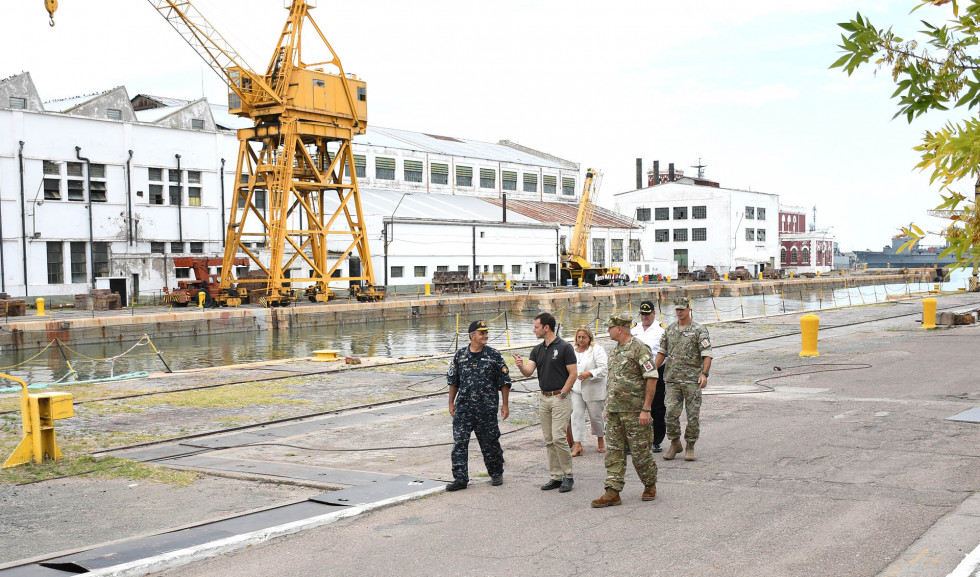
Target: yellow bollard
<point x="38" y="413"/>
<point x="726" y="277"/>
<point x="200" y="299"/>
<point x="760" y="276"/>
<point x="810" y="325"/>
<point x="639" y="280"/>
<point x="428" y="289"/>
<point x="507" y="285"/>
<point x="668" y="278"/>
<point x="818" y="273"/>
<point x="865" y="266"/>
<point x="580" y="282"/>
<point x="790" y="274"/>
<point x="40" y="307"/>
<point x="929" y="313"/>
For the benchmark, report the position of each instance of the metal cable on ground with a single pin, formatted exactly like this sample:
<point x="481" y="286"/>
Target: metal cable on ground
<point x="769" y="389"/>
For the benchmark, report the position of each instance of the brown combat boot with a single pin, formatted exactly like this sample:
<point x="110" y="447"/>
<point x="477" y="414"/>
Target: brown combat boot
<point x="689" y="452"/>
<point x="649" y="493"/>
<point x="610" y="498"/>
<point x="674" y="448"/>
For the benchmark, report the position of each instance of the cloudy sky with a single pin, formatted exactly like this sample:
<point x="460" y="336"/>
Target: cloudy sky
<point x="742" y="85"/>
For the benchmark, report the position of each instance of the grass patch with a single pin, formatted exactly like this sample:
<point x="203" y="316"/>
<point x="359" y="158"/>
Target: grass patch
<point x="226" y="397"/>
<point x="514" y="421"/>
<point x="102" y="468"/>
<point x="108" y="408"/>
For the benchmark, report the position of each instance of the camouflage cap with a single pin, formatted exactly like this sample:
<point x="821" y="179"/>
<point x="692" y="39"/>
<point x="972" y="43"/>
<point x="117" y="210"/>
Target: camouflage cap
<point x="620" y="320"/>
<point x="478" y="326"/>
<point x="682" y="303"/>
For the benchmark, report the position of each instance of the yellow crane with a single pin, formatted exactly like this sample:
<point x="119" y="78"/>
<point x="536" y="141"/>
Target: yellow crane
<point x="297" y="155"/>
<point x="575" y="263"/>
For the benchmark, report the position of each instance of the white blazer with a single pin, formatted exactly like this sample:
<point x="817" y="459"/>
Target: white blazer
<point x="596" y="361"/>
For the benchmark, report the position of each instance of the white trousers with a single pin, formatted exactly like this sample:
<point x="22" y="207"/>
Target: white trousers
<point x="594" y="409"/>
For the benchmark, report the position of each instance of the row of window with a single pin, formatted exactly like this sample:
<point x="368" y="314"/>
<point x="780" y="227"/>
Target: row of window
<point x="758" y="234"/>
<point x="423" y="271"/>
<point x="615" y="250"/>
<point x="384" y="169"/>
<point x="175" y="182"/>
<point x="72" y="181"/>
<point x="680" y="213"/>
<point x="753" y="213"/>
<point x="793" y="255"/>
<point x="176" y="247"/>
<point x="78" y="257"/>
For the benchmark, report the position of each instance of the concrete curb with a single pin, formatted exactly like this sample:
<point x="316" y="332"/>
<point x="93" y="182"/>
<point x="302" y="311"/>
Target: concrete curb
<point x="180" y="557"/>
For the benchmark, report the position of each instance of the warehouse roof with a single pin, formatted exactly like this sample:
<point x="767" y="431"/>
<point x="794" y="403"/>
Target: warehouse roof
<point x="564" y="213"/>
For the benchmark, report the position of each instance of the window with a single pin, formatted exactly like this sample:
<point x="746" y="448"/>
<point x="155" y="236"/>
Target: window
<point x="420" y="271"/>
<point x="806" y="255"/>
<point x="488" y="178"/>
<point x="782" y="255"/>
<point x="193" y="188"/>
<point x="750" y="234"/>
<point x="760" y="235"/>
<point x="384" y="168"/>
<point x="197" y="123"/>
<point x="509" y="180"/>
<point x="680" y="235"/>
<point x="360" y="165"/>
<point x="397" y="272"/>
<point x="661" y="235"/>
<point x="699" y="234"/>
<point x="680" y="213"/>
<point x="76" y="188"/>
<point x="643" y="214"/>
<point x="197" y="248"/>
<point x="515" y="269"/>
<point x="175" y="189"/>
<point x="760" y="213"/>
<point x="18" y="103"/>
<point x="530" y="182"/>
<point x="79" y="268"/>
<point x="749" y="213"/>
<point x="56" y="263"/>
<point x="568" y="186"/>
<point x="464" y="269"/>
<point x="413" y="171"/>
<point x="635" y="252"/>
<point x="662" y="213"/>
<point x="616" y="250"/>
<point x="442" y="269"/>
<point x="464" y="176"/>
<point x="113" y="114"/>
<point x="598" y="251"/>
<point x="439" y="173"/>
<point x="498" y="268"/>
<point x="52" y="167"/>
<point x="793" y="255"/>
<point x="550" y="184"/>
<point x="182" y="272"/>
<point x="176" y="247"/>
<point x="52" y="186"/>
<point x="100" y="259"/>
<point x="699" y="212"/>
<point x="157" y="247"/>
<point x="97" y="190"/>
<point x="361" y="94"/>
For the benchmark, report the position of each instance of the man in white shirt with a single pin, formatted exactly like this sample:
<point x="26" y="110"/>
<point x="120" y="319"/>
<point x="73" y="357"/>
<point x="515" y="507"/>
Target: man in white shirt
<point x="650" y="332"/>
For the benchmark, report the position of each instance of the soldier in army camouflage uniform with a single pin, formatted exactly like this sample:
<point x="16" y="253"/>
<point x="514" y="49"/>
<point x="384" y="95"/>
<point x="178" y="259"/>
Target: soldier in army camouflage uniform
<point x="476" y="373"/>
<point x="632" y="383"/>
<point x="687" y="349"/>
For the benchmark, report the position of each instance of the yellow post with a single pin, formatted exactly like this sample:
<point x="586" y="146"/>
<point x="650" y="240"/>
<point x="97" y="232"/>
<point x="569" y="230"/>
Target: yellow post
<point x="200" y="299"/>
<point x="818" y="273"/>
<point x="726" y="277"/>
<point x="579" y="282"/>
<point x="428" y="289"/>
<point x="865" y="266"/>
<point x="810" y="325"/>
<point x="639" y="280"/>
<point x="507" y="285"/>
<point x="40" y="307"/>
<point x="790" y="274"/>
<point x="668" y="278"/>
<point x="929" y="313"/>
<point x="760" y="276"/>
<point x="38" y="413"/>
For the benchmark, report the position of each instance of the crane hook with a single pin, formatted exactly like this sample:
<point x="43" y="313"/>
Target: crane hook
<point x="51" y="6"/>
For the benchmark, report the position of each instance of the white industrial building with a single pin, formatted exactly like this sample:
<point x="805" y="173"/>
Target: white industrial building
<point x="698" y="223"/>
<point x="103" y="190"/>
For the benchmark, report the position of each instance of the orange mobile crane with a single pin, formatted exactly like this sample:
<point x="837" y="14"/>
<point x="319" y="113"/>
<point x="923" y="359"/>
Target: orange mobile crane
<point x="296" y="155"/>
<point x="187" y="290"/>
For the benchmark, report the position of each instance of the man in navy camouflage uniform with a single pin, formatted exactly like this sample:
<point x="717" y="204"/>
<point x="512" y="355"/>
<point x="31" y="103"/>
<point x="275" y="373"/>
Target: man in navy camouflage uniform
<point x="687" y="350"/>
<point x="476" y="373"/>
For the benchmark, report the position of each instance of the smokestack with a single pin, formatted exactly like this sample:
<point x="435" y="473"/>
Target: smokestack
<point x="656" y="173"/>
<point x="504" y="196"/>
<point x="639" y="173"/>
<point x="670" y="172"/>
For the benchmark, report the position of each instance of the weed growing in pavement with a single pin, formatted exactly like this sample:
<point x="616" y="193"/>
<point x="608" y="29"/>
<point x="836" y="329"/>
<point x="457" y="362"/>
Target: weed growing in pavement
<point x="103" y="468"/>
<point x="227" y="397"/>
<point x="107" y="408"/>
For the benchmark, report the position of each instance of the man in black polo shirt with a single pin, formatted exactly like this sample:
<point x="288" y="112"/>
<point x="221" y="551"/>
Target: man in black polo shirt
<point x="557" y="369"/>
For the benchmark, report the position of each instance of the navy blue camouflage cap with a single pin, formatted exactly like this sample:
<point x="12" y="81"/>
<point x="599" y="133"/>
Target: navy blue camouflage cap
<point x="478" y="326"/>
<point x="682" y="303"/>
<point x="620" y="320"/>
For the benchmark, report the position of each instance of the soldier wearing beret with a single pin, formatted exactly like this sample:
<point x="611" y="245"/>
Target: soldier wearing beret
<point x="632" y="384"/>
<point x="687" y="350"/>
<point x="476" y="373"/>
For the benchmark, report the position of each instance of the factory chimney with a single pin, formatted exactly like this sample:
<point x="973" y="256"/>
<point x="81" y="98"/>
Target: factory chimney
<point x="639" y="173"/>
<point x="670" y="172"/>
<point x="656" y="173"/>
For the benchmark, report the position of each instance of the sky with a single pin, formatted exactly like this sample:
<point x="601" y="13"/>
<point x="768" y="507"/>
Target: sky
<point x="740" y="86"/>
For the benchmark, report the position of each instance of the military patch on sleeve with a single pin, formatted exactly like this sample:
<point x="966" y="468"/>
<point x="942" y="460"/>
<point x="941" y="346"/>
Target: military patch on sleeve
<point x="648" y="366"/>
<point x="504" y="369"/>
<point x="705" y="344"/>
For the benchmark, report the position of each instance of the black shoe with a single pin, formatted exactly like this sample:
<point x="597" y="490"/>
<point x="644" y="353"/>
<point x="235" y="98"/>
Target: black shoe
<point x="497" y="480"/>
<point x="552" y="484"/>
<point x="456" y="485"/>
<point x="566" y="484"/>
<point x="657" y="448"/>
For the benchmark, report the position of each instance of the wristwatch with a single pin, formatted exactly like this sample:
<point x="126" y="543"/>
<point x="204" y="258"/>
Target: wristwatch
<point x="704" y="373"/>
<point x="562" y="394"/>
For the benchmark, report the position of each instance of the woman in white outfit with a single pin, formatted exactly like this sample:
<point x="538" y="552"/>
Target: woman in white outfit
<point x="589" y="390"/>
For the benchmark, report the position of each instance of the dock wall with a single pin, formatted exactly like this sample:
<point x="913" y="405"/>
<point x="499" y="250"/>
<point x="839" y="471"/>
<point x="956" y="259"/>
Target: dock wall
<point x="28" y="334"/>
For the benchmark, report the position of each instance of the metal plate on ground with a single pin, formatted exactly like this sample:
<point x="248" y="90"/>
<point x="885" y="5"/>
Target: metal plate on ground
<point x="968" y="416"/>
<point x="143" y="548"/>
<point x="33" y="571"/>
<point x="160" y="452"/>
<point x="396" y="487"/>
<point x="284" y="470"/>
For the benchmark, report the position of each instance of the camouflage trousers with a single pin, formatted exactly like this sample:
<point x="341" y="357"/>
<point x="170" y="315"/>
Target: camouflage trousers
<point x="683" y="396"/>
<point x="487" y="434"/>
<point x="622" y="428"/>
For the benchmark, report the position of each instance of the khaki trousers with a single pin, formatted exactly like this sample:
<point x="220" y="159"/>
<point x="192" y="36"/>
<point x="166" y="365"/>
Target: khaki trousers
<point x="555" y="412"/>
